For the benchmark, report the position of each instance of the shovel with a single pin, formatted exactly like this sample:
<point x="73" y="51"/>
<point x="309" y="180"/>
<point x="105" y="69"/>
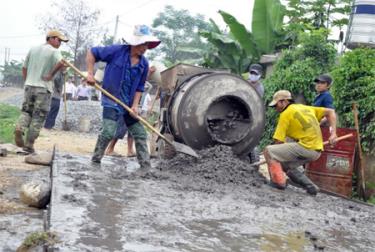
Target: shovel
<point x="182" y="148"/>
<point x="65" y="123"/>
<point x="324" y="143"/>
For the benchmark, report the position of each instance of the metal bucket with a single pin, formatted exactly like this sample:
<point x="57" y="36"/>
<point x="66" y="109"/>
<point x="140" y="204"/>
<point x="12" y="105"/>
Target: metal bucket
<point x="216" y="108"/>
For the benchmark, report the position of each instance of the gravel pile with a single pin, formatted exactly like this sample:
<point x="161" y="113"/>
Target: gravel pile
<point x="82" y="116"/>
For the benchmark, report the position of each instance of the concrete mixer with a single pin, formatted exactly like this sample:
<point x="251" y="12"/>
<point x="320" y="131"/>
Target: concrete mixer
<point x="203" y="107"/>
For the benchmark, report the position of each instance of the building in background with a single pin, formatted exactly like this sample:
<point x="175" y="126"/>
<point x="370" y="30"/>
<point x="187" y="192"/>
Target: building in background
<point x="361" y="28"/>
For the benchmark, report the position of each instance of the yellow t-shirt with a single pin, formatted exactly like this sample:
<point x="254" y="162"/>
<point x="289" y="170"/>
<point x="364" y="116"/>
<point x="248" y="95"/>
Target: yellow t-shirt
<point x="301" y="123"/>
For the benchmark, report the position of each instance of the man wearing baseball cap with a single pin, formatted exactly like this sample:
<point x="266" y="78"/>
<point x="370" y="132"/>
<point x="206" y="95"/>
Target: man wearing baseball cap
<point x="322" y="85"/>
<point x="255" y="71"/>
<point x="41" y="64"/>
<point x="300" y="123"/>
<point x="124" y="77"/>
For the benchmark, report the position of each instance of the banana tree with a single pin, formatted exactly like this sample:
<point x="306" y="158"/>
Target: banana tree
<point x="238" y="48"/>
<point x="225" y="51"/>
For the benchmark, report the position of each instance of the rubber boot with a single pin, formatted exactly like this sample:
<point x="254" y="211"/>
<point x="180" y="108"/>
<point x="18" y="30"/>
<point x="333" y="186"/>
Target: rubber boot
<point x="277" y="175"/>
<point x="31" y="136"/>
<point x="106" y="135"/>
<point x="139" y="135"/>
<point x="301" y="179"/>
<point x="22" y="124"/>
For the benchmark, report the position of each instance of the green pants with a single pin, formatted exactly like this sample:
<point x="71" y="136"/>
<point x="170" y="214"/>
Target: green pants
<point x="34" y="111"/>
<point x="138" y="133"/>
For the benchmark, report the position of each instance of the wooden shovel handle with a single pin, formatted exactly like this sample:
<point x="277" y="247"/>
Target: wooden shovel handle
<point x="97" y="86"/>
<point x="340" y="138"/>
<point x="324" y="143"/>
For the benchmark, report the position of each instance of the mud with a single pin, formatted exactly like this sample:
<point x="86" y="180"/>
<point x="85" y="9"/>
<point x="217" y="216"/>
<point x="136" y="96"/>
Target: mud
<point x="17" y="220"/>
<point x="216" y="203"/>
<point x="216" y="166"/>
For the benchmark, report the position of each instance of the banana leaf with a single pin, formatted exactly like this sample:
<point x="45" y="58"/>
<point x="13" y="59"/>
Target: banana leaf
<point x="243" y="36"/>
<point x="267" y="21"/>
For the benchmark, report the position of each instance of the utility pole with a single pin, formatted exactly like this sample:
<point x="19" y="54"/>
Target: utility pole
<point x="6" y="55"/>
<point x="116" y="27"/>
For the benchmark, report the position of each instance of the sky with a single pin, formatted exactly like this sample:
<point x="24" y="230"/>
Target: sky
<point x="19" y="18"/>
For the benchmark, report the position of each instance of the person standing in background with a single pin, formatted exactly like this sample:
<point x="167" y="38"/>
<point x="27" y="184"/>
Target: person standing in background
<point x="83" y="91"/>
<point x="58" y="82"/>
<point x="70" y="89"/>
<point x="41" y="64"/>
<point x="256" y="71"/>
<point x="323" y="98"/>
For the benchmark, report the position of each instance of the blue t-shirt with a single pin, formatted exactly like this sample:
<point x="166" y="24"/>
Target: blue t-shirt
<point x="324" y="100"/>
<point x="120" y="78"/>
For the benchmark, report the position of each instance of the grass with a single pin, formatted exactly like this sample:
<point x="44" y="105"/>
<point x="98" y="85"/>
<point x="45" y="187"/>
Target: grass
<point x="8" y="118"/>
<point x="38" y="239"/>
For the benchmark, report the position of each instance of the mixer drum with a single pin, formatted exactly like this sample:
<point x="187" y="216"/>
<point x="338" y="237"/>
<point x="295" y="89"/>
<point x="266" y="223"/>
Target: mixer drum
<point x="216" y="108"/>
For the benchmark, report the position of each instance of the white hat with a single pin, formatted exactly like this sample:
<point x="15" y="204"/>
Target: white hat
<point x="141" y="35"/>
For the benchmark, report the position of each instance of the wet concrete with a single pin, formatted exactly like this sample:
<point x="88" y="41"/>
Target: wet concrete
<point x="216" y="203"/>
<point x="16" y="219"/>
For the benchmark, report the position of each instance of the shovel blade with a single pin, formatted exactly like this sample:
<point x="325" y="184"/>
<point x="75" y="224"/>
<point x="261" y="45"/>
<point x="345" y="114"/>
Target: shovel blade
<point x="182" y="148"/>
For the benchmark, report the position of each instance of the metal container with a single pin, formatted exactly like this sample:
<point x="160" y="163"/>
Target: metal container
<point x="361" y="28"/>
<point x="216" y="108"/>
<point x="333" y="171"/>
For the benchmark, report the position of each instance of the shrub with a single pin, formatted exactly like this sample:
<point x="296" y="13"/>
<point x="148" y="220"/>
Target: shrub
<point x="295" y="71"/>
<point x="355" y="82"/>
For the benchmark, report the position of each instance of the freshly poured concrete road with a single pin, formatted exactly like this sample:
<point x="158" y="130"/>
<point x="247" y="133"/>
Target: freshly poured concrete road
<point x="180" y="207"/>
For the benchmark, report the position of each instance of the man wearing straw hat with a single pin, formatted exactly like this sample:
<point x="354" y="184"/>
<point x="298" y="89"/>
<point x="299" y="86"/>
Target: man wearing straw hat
<point x="124" y="77"/>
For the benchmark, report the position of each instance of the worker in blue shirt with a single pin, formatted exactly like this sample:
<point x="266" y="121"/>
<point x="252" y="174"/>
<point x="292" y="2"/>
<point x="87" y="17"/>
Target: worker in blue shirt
<point x="324" y="98"/>
<point x="124" y="77"/>
<point x="322" y="85"/>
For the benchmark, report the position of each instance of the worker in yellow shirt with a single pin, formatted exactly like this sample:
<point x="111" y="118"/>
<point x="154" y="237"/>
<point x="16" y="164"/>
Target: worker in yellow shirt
<point x="300" y="123"/>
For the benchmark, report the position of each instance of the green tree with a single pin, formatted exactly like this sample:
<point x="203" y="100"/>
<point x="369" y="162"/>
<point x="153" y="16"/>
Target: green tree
<point x="355" y="82"/>
<point x="178" y="30"/>
<point x="12" y="73"/>
<point x="107" y="40"/>
<point x="77" y="20"/>
<point x="312" y="15"/>
<point x="295" y="71"/>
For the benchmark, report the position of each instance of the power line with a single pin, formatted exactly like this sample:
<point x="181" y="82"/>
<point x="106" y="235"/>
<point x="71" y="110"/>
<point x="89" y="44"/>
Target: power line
<point x="20" y="36"/>
<point x="138" y="6"/>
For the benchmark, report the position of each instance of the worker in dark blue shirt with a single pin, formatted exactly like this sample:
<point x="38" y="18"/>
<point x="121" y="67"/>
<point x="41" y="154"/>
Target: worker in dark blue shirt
<point x="324" y="98"/>
<point x="322" y="85"/>
<point x="124" y="77"/>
